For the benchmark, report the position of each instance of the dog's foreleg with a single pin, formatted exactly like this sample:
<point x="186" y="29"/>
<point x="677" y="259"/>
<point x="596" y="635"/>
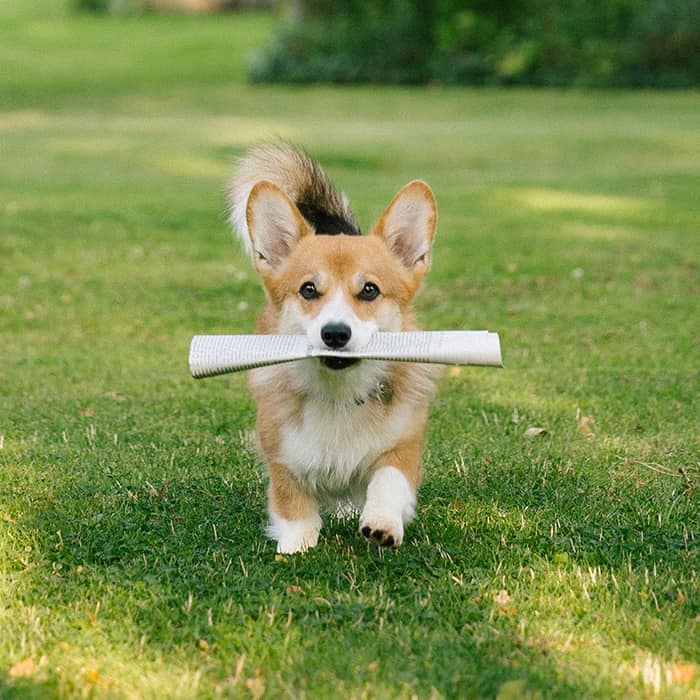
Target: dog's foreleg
<point x="391" y="497"/>
<point x="294" y="518"/>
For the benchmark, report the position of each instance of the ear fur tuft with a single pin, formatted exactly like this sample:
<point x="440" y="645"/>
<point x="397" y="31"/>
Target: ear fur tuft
<point x="275" y="225"/>
<point x="408" y="226"/>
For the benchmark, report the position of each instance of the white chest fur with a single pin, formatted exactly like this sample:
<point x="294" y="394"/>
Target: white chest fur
<point x="333" y="446"/>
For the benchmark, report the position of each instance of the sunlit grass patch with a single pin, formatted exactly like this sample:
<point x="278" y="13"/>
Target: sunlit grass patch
<point x="604" y="232"/>
<point x="557" y="200"/>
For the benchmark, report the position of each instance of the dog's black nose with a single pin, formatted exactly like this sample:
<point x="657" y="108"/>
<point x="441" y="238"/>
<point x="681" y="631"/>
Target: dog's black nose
<point x="336" y="335"/>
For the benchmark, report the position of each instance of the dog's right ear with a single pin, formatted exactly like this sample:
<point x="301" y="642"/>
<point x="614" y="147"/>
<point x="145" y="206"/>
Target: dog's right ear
<point x="275" y="225"/>
<point x="408" y="227"/>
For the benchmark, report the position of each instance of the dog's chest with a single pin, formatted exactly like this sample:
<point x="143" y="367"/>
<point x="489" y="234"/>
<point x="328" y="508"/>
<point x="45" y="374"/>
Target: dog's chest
<point x="331" y="447"/>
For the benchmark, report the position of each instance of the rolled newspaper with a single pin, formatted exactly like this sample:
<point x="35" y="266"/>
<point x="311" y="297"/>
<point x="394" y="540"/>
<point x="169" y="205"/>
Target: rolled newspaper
<point x="219" y="354"/>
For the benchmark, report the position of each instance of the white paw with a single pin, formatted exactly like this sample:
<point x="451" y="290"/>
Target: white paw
<point x="389" y="505"/>
<point x="294" y="535"/>
<point x="383" y="531"/>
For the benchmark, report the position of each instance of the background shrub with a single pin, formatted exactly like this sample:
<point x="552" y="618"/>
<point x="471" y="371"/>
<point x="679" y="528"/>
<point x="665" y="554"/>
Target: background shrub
<point x="114" y="7"/>
<point x="575" y="42"/>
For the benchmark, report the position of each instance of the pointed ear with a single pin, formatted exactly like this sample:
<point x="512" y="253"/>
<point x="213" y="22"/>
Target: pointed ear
<point x="274" y="225"/>
<point x="408" y="226"/>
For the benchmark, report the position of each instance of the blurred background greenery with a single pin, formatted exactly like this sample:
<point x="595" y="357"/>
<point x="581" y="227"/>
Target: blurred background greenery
<point x="591" y="43"/>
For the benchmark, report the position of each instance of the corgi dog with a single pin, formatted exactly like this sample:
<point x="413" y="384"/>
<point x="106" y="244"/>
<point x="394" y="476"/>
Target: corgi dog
<point x="334" y="431"/>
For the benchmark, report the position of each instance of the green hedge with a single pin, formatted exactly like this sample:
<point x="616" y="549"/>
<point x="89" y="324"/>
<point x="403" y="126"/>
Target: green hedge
<point x="654" y="43"/>
<point x="114" y="7"/>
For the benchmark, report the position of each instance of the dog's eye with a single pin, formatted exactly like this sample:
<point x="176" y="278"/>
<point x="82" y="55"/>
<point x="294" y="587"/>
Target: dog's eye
<point x="369" y="292"/>
<point x="308" y="290"/>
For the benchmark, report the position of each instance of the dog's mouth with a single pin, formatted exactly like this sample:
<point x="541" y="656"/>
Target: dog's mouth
<point x="338" y="362"/>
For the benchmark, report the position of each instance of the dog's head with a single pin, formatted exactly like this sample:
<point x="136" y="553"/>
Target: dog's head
<point x="338" y="290"/>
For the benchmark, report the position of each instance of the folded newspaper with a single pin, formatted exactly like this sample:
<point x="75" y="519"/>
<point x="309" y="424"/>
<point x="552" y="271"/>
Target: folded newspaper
<point x="219" y="354"/>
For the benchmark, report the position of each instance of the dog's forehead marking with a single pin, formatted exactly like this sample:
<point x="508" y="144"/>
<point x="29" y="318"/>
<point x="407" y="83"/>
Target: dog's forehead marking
<point x="337" y="307"/>
<point x="349" y="261"/>
<point x="339" y="267"/>
<point x="342" y="255"/>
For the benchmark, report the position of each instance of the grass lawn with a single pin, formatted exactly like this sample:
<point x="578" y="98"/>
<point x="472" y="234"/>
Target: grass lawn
<point x="132" y="502"/>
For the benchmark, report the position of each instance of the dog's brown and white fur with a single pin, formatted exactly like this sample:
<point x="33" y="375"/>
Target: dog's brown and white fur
<point x="334" y="431"/>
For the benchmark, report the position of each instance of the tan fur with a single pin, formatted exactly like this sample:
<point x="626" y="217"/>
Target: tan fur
<point x="287" y="254"/>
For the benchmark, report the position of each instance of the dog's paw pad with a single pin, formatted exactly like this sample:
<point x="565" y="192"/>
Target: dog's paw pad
<point x="380" y="537"/>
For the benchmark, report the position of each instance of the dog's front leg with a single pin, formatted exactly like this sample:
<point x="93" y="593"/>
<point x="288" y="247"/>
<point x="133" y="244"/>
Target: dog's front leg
<point x="391" y="496"/>
<point x="294" y="518"/>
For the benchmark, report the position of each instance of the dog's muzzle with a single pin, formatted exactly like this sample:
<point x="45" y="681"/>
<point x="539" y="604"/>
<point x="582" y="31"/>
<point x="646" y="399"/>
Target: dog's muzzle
<point x="336" y="336"/>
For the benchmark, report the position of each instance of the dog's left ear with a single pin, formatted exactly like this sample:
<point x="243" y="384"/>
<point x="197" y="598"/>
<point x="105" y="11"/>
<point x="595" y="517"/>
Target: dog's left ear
<point x="408" y="226"/>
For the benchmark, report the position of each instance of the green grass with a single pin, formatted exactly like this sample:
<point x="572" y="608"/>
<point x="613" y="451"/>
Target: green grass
<point x="132" y="503"/>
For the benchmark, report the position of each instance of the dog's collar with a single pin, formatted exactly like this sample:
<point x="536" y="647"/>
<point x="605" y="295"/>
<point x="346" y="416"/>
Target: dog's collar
<point x="382" y="392"/>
